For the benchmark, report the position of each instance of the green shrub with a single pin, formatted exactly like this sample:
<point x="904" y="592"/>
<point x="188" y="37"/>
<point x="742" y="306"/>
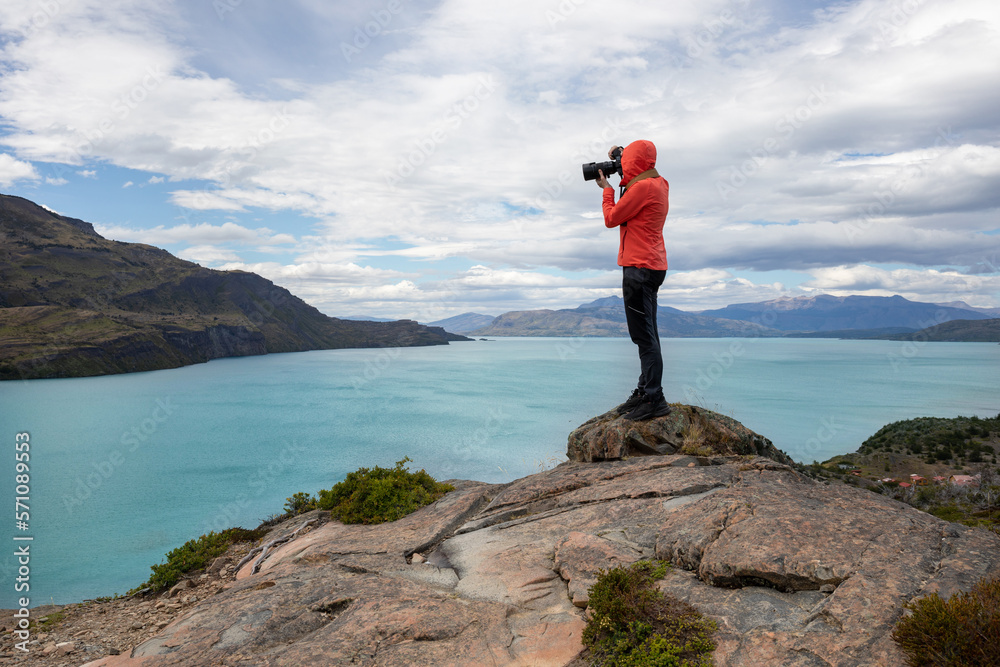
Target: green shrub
<point x="632" y="624"/>
<point x="49" y="621"/>
<point x="194" y="555"/>
<point x="949" y="512"/>
<point x="377" y="495"/>
<point x="963" y="631"/>
<point x="926" y="494"/>
<point x="299" y="503"/>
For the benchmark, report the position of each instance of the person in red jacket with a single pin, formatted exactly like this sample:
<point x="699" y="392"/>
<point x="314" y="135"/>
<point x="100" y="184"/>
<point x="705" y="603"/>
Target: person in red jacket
<point x="639" y="215"/>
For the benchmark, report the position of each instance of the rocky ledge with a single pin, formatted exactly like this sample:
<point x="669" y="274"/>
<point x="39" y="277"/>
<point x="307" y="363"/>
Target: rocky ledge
<point x="687" y="429"/>
<point x="795" y="572"/>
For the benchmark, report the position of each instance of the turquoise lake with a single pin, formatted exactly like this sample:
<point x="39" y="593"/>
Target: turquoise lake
<point x="125" y="468"/>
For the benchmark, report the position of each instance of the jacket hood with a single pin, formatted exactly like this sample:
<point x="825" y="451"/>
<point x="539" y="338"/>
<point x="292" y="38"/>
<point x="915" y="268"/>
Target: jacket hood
<point x="637" y="157"/>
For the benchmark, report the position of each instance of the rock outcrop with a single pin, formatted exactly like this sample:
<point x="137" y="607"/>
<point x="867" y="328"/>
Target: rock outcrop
<point x="795" y="571"/>
<point x="687" y="429"/>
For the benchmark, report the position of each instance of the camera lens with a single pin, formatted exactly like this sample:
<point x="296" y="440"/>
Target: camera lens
<point x="590" y="169"/>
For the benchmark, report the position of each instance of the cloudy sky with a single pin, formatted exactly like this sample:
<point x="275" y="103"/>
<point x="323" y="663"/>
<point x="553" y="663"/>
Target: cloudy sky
<point x="420" y="159"/>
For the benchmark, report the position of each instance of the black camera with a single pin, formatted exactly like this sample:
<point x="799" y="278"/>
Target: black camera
<point x="612" y="166"/>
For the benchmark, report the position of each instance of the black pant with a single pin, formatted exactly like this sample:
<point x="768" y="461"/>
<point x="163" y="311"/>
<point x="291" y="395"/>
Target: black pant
<point x="639" y="287"/>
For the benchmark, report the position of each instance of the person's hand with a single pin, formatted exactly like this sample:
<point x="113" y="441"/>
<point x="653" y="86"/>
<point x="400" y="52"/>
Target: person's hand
<point x="602" y="181"/>
<point x="612" y="150"/>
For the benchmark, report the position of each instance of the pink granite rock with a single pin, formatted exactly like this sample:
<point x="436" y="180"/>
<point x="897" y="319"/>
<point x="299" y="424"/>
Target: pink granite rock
<point x="611" y="436"/>
<point x="795" y="572"/>
<point x="579" y="557"/>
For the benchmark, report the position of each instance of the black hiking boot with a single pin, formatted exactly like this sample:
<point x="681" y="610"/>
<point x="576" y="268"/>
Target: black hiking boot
<point x="632" y="402"/>
<point x="650" y="408"/>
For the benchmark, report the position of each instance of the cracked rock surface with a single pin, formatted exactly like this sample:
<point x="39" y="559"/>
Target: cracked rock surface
<point x="795" y="572"/>
<point x="609" y="437"/>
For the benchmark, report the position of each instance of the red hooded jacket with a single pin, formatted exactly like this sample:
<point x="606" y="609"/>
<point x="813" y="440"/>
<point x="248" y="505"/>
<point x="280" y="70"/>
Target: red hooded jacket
<point x="643" y="206"/>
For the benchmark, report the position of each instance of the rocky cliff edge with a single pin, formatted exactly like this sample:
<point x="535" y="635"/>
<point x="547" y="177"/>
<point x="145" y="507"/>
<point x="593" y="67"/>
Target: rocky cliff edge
<point x="795" y="571"/>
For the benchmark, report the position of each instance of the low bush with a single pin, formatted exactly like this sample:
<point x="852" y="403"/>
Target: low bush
<point x="194" y="555"/>
<point x="632" y="624"/>
<point x="378" y="495"/>
<point x="49" y="621"/>
<point x="962" y="631"/>
<point x="299" y="503"/>
<point x="949" y="512"/>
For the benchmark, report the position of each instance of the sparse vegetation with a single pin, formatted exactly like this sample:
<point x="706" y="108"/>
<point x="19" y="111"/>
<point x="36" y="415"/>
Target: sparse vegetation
<point x="695" y="439"/>
<point x="962" y="631"/>
<point x="930" y="447"/>
<point x="699" y="435"/>
<point x="632" y="624"/>
<point x="697" y="450"/>
<point x="377" y="495"/>
<point x="194" y="555"/>
<point x="965" y="439"/>
<point x="977" y="506"/>
<point x="49" y="621"/>
<point x="694" y="433"/>
<point x="373" y="495"/>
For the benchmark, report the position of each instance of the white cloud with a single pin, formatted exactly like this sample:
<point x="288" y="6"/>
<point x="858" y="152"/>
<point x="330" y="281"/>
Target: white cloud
<point x="208" y="255"/>
<point x="332" y="286"/>
<point x="204" y="200"/>
<point x="200" y="234"/>
<point x="925" y="285"/>
<point x="867" y="135"/>
<point x="326" y="273"/>
<point x="716" y="243"/>
<point x="87" y="173"/>
<point x="694" y="279"/>
<point x="13" y="170"/>
<point x="720" y="293"/>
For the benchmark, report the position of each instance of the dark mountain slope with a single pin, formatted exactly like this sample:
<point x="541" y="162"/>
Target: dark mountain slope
<point x="73" y="303"/>
<point x="958" y="331"/>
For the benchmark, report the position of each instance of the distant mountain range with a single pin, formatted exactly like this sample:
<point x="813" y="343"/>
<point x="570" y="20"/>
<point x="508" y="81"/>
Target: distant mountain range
<point x="366" y="318"/>
<point x="829" y="313"/>
<point x="606" y="317"/>
<point x="464" y="323"/>
<point x="992" y="312"/>
<point x="818" y="316"/>
<point x="73" y="303"/>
